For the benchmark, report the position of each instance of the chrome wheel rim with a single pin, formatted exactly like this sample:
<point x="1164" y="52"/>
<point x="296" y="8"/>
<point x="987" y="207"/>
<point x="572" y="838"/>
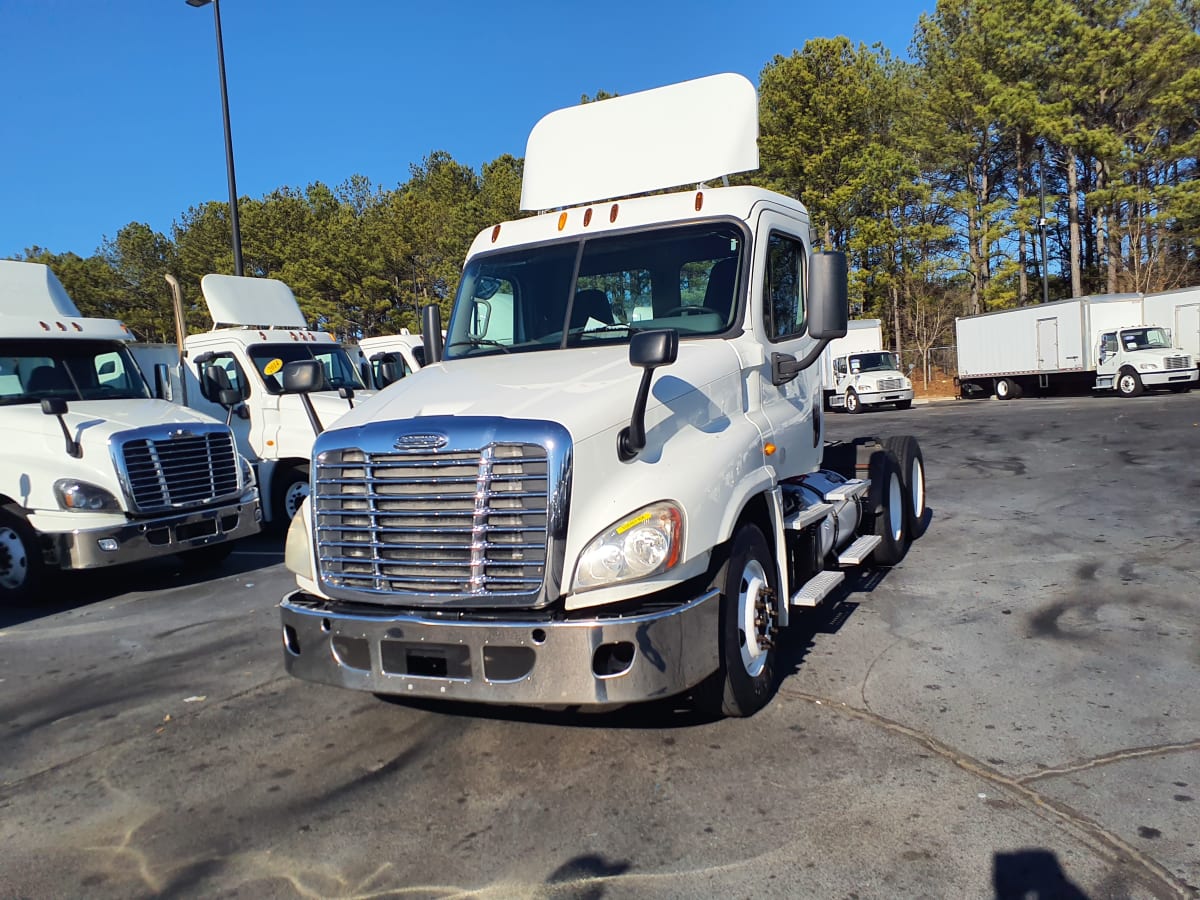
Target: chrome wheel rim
<point x="895" y="507"/>
<point x="294" y="497"/>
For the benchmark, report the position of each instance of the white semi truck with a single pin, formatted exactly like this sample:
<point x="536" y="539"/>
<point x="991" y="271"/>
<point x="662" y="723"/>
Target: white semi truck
<point x="390" y="357"/>
<point x="857" y="372"/>
<point x="94" y="471"/>
<point x="608" y="486"/>
<point x="1101" y="342"/>
<point x="258" y="327"/>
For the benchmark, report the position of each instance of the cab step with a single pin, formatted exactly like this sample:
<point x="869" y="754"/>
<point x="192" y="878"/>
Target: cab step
<point x="817" y="588"/>
<point x="855" y="487"/>
<point x="860" y="551"/>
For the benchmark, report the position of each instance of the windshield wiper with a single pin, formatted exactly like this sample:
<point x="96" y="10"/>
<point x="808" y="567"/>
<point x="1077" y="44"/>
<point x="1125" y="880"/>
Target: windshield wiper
<point x="479" y="342"/>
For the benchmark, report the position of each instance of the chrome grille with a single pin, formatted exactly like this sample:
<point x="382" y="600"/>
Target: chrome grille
<point x="173" y="470"/>
<point x="1177" y="362"/>
<point x="444" y="522"/>
<point x="890" y="384"/>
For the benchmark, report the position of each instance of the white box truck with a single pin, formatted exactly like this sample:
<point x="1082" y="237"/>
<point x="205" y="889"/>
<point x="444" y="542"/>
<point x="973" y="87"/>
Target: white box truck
<point x="856" y="371"/>
<point x="258" y="327"/>
<point x="1178" y="310"/>
<point x="1098" y="342"/>
<point x="580" y="503"/>
<point x="94" y="471"/>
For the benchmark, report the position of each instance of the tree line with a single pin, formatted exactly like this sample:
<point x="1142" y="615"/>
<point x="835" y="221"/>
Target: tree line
<point x="1025" y="149"/>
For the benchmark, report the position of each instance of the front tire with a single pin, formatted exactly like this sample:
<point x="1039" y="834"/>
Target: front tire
<point x="886" y="505"/>
<point x="746" y="679"/>
<point x="853" y="404"/>
<point x="1129" y="383"/>
<point x="289" y="493"/>
<point x="911" y="462"/>
<point x="21" y="565"/>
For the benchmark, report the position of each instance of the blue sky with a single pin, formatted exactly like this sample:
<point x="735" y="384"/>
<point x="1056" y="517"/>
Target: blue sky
<point x="112" y="109"/>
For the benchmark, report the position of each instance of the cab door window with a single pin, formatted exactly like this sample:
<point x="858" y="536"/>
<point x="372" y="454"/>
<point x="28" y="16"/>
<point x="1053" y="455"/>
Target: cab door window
<point x="222" y="372"/>
<point x="783" y="292"/>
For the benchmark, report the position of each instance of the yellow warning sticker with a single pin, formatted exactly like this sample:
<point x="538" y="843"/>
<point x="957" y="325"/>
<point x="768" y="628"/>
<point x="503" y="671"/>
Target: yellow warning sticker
<point x="273" y="366"/>
<point x="637" y="520"/>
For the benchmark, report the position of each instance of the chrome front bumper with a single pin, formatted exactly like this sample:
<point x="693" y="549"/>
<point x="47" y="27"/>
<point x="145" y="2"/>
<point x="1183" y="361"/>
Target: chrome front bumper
<point x="582" y="662"/>
<point x="146" y="538"/>
<point x="874" y="398"/>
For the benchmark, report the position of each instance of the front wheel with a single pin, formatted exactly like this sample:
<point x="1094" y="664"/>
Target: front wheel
<point x="20" y="561"/>
<point x="1129" y="383"/>
<point x="886" y="508"/>
<point x="289" y="493"/>
<point x="853" y="404"/>
<point x="911" y="462"/>
<point x="746" y="678"/>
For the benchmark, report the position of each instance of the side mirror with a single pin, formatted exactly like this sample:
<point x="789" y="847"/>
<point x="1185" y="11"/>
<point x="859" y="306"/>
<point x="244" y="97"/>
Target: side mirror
<point x="828" y="308"/>
<point x="347" y="394"/>
<point x="162" y="381"/>
<point x="301" y="377"/>
<point x="647" y="350"/>
<point x="911" y="366"/>
<point x="228" y="397"/>
<point x="389" y="373"/>
<point x="431" y="328"/>
<point x="57" y="406"/>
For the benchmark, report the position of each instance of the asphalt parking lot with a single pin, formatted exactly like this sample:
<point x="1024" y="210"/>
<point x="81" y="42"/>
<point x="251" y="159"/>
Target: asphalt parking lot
<point x="1012" y="712"/>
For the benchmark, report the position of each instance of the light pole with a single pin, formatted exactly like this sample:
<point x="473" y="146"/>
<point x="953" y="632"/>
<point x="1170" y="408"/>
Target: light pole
<point x="1041" y="221"/>
<point x="233" y="210"/>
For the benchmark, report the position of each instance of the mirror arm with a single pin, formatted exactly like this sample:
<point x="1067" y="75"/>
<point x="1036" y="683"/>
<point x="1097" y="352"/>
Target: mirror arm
<point x="785" y="367"/>
<point x="306" y="401"/>
<point x="632" y="439"/>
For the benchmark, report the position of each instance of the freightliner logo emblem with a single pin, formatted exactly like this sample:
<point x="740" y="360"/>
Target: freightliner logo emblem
<point x="424" y="441"/>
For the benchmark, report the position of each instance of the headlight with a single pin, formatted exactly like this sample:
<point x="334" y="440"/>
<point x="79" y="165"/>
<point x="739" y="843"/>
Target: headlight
<point x="80" y="496"/>
<point x="645" y="543"/>
<point x="1146" y="367"/>
<point x="247" y="472"/>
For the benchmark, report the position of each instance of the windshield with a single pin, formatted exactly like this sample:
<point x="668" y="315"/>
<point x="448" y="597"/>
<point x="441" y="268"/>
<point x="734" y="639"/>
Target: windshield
<point x="874" y="362"/>
<point x="1145" y="339"/>
<point x="37" y="369"/>
<point x="270" y="359"/>
<point x="582" y="292"/>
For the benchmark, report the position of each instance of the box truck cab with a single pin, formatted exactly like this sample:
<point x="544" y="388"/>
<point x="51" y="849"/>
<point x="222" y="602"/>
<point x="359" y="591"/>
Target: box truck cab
<point x="94" y="471"/>
<point x="1136" y="357"/>
<point x="857" y="372"/>
<point x="233" y="371"/>
<point x="611" y="484"/>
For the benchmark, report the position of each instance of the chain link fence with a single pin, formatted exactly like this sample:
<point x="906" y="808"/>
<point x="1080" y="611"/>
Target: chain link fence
<point x="932" y="370"/>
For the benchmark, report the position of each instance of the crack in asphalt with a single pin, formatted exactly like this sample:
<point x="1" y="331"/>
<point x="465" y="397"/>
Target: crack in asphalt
<point x="1118" y="756"/>
<point x="1159" y="877"/>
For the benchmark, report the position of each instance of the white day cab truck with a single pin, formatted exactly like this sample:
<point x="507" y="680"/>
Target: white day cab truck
<point x="96" y="472"/>
<point x="856" y="372"/>
<point x="577" y="504"/>
<point x="1101" y="342"/>
<point x="233" y="372"/>
<point x="388" y="358"/>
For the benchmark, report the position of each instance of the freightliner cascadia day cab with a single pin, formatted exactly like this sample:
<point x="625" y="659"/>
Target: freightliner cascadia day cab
<point x="1105" y="343"/>
<point x="390" y="357"/>
<point x="258" y="327"/>
<point x="94" y="471"/>
<point x="857" y="372"/>
<point x="607" y="486"/>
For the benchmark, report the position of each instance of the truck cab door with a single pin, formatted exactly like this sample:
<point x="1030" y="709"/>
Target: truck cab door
<point x="792" y="409"/>
<point x="1107" y="354"/>
<point x="221" y="371"/>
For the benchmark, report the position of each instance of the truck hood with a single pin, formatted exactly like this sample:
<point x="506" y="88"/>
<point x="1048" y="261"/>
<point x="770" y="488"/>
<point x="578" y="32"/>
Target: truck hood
<point x="587" y="390"/>
<point x="37" y="454"/>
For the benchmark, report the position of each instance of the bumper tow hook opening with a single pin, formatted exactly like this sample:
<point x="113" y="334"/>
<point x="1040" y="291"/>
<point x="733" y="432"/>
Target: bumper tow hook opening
<point x="612" y="659"/>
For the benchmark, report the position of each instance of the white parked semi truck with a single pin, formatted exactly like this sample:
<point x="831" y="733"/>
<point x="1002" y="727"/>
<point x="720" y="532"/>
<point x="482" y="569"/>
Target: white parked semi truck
<point x="608" y="486"/>
<point x="390" y="357"/>
<point x="1099" y="342"/>
<point x="258" y="327"/>
<point x="857" y="372"/>
<point x="94" y="471"/>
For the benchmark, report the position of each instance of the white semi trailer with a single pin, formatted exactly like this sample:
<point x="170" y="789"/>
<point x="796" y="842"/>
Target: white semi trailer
<point x="94" y="471"/>
<point x="1100" y="342"/>
<point x="610" y="486"/>
<point x="857" y="372"/>
<point x="258" y="327"/>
